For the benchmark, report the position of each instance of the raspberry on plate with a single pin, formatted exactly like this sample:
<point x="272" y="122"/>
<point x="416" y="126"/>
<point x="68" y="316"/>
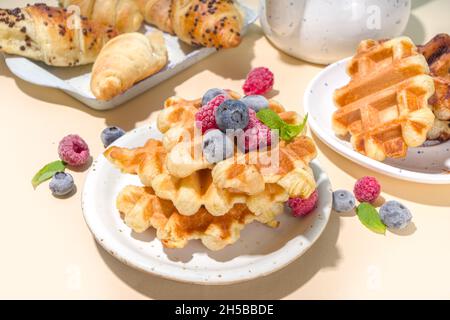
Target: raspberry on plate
<point x="259" y="81"/>
<point x="74" y="150"/>
<point x="301" y="207"/>
<point x="205" y="117"/>
<point x="367" y="189"/>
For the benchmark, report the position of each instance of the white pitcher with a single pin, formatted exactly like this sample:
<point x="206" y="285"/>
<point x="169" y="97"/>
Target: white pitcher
<point x="324" y="31"/>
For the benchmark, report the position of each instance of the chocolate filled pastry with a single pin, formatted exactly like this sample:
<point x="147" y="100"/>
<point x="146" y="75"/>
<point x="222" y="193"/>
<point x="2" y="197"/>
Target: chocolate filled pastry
<point x="52" y="35"/>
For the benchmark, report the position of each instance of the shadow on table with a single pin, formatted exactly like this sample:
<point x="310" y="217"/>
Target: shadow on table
<point x="415" y="192"/>
<point x="232" y="63"/>
<point x="415" y="30"/>
<point x="323" y="254"/>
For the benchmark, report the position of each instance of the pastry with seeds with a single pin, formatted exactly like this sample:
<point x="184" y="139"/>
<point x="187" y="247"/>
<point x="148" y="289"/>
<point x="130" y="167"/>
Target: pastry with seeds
<point x="46" y="34"/>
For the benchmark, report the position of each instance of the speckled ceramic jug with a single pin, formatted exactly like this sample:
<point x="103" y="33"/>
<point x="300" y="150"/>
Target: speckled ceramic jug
<point x="324" y="31"/>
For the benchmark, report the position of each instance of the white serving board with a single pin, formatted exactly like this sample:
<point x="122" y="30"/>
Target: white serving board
<point x="76" y="81"/>
<point x="426" y="164"/>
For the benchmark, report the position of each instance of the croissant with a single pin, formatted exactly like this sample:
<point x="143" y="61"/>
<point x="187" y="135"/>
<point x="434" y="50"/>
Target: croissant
<point x="123" y="14"/>
<point x="125" y="60"/>
<point x="209" y="23"/>
<point x="157" y="13"/>
<point x="52" y="35"/>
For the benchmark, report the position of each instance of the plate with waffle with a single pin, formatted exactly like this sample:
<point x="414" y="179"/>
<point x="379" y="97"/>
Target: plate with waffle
<point x="388" y="108"/>
<point x="162" y="199"/>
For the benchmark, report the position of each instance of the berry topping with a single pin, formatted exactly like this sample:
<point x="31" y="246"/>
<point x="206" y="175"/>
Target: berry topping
<point x="257" y="135"/>
<point x="343" y="201"/>
<point x="111" y="134"/>
<point x="301" y="207"/>
<point x="211" y="94"/>
<point x="395" y="215"/>
<point x="259" y="81"/>
<point x="256" y="102"/>
<point x="73" y="150"/>
<point x="232" y="114"/>
<point x="367" y="189"/>
<point x="217" y="146"/>
<point x="205" y="118"/>
<point x="61" y="184"/>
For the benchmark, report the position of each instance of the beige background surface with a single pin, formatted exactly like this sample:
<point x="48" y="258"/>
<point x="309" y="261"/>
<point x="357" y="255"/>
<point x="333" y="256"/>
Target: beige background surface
<point x="48" y="252"/>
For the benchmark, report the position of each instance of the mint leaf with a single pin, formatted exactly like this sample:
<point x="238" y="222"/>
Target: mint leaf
<point x="270" y="118"/>
<point x="290" y="131"/>
<point x="47" y="172"/>
<point x="369" y="217"/>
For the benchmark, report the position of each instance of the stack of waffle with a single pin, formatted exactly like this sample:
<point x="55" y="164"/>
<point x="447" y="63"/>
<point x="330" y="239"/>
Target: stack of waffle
<point x="184" y="197"/>
<point x="385" y="106"/>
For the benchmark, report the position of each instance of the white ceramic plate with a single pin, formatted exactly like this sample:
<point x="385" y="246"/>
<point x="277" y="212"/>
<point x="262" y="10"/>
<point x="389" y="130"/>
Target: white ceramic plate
<point x="260" y="250"/>
<point x="424" y="164"/>
<point x="76" y="81"/>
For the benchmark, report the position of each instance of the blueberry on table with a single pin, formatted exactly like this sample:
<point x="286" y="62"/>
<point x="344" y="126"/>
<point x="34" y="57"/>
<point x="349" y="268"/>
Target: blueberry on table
<point x="343" y="201"/>
<point x="395" y="215"/>
<point x="61" y="184"/>
<point x="111" y="134"/>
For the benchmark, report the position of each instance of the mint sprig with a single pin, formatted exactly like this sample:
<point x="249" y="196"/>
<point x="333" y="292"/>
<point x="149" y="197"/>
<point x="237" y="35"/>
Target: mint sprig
<point x="369" y="217"/>
<point x="287" y="131"/>
<point x="47" y="172"/>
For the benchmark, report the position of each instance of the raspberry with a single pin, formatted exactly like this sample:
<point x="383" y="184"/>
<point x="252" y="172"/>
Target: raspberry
<point x="258" y="129"/>
<point x="367" y="189"/>
<point x="253" y="121"/>
<point x="205" y="118"/>
<point x="73" y="150"/>
<point x="301" y="207"/>
<point x="259" y="81"/>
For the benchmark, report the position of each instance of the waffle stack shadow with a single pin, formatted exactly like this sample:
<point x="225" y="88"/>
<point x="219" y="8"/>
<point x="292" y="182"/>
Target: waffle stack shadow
<point x="184" y="197"/>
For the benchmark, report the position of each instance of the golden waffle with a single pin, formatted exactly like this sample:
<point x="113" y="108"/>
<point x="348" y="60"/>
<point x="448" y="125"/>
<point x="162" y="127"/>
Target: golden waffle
<point x="385" y="106"/>
<point x="141" y="209"/>
<point x="293" y="173"/>
<point x="190" y="193"/>
<point x="437" y="53"/>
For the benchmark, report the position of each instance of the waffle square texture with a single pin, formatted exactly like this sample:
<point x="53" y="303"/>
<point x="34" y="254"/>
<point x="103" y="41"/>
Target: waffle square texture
<point x="385" y="106"/>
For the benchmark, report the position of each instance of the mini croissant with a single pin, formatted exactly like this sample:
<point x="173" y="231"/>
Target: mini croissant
<point x="125" y="60"/>
<point x="52" y="35"/>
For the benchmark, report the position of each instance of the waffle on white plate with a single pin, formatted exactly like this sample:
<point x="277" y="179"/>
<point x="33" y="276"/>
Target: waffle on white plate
<point x="437" y="53"/>
<point x="185" y="197"/>
<point x="385" y="106"/>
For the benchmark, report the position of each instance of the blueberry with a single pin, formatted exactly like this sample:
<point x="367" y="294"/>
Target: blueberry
<point x="217" y="146"/>
<point x="61" y="184"/>
<point x="111" y="134"/>
<point x="395" y="215"/>
<point x="232" y="114"/>
<point x="343" y="201"/>
<point x="256" y="102"/>
<point x="211" y="94"/>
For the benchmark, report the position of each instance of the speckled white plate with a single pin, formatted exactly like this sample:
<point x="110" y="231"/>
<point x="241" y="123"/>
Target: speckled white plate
<point x="260" y="250"/>
<point x="424" y="164"/>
